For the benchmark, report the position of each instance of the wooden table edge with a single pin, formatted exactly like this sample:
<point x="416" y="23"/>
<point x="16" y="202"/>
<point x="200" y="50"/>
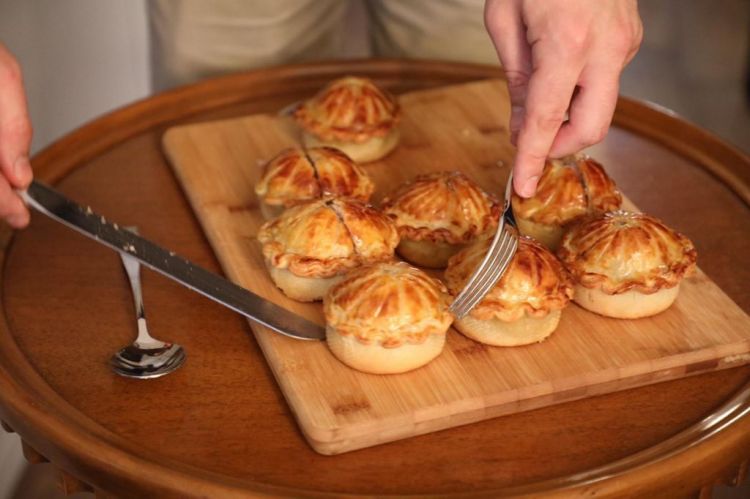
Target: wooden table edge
<point x="59" y="433"/>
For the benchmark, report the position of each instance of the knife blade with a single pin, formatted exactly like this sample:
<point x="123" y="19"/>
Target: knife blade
<point x="56" y="206"/>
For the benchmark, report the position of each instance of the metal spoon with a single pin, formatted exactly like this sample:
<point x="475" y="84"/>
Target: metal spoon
<point x="146" y="357"/>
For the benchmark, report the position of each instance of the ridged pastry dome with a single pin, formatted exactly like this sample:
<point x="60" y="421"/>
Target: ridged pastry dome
<point x="349" y="109"/>
<point x="535" y="283"/>
<point x="296" y="175"/>
<point x="442" y="207"/>
<point x="568" y="189"/>
<point x="324" y="237"/>
<point x="389" y="304"/>
<point x="620" y="251"/>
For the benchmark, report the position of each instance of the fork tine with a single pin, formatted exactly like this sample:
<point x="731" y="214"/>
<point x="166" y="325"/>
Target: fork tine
<point x="479" y="271"/>
<point x="486" y="274"/>
<point x="488" y="279"/>
<point x="486" y="261"/>
<point x="493" y="275"/>
<point x="481" y="293"/>
<point x="499" y="233"/>
<point x="495" y="262"/>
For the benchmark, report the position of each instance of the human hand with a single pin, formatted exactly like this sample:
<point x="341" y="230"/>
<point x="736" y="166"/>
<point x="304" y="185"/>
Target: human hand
<point x="15" y="139"/>
<point x="560" y="56"/>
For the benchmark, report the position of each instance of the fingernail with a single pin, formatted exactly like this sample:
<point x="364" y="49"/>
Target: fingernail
<point x="22" y="170"/>
<point x="529" y="188"/>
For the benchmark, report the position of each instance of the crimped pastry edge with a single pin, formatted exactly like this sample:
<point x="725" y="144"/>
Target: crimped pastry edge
<point x="647" y="284"/>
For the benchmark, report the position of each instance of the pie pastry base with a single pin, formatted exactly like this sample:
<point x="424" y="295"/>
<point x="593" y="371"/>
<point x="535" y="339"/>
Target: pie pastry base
<point x="548" y="235"/>
<point x="631" y="304"/>
<point x="271" y="211"/>
<point x="376" y="359"/>
<point x="495" y="332"/>
<point x="433" y="255"/>
<point x="302" y="288"/>
<point x="364" y="152"/>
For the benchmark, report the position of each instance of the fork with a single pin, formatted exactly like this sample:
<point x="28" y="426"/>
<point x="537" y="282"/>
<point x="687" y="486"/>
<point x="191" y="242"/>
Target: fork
<point x="494" y="264"/>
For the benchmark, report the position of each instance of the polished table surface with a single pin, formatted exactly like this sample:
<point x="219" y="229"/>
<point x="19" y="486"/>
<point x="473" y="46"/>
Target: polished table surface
<point x="219" y="426"/>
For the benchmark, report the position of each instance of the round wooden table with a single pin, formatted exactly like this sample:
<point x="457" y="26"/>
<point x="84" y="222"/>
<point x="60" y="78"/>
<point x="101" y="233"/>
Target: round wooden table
<point x="219" y="427"/>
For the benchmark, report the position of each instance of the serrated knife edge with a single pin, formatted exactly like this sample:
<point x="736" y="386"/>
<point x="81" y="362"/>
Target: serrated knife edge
<point x="53" y="204"/>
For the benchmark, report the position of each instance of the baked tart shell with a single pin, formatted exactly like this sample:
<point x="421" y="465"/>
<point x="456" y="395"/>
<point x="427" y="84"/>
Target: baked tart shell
<point x="626" y="265"/>
<point x="524" y="331"/>
<point x="376" y="359"/>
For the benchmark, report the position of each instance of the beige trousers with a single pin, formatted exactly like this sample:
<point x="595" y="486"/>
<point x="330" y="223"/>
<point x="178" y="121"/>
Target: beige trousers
<point x="195" y="39"/>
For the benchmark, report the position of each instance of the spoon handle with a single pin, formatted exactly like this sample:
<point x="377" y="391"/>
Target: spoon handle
<point x="133" y="269"/>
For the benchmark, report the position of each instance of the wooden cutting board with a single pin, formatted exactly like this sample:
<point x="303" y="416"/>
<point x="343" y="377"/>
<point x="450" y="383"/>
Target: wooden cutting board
<point x="339" y="409"/>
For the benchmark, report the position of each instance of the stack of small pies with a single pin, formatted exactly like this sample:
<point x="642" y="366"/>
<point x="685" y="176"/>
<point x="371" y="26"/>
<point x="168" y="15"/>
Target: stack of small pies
<point x="323" y="241"/>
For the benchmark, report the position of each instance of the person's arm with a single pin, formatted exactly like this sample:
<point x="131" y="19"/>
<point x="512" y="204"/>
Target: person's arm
<point x="15" y="139"/>
<point x="560" y="56"/>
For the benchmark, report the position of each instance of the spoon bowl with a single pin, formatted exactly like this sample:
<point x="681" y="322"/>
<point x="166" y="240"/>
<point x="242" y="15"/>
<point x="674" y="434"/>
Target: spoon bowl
<point x="145" y="363"/>
<point x="147" y="357"/>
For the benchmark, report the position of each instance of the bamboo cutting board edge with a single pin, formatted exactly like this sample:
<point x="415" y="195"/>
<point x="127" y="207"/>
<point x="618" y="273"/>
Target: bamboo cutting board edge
<point x="336" y="438"/>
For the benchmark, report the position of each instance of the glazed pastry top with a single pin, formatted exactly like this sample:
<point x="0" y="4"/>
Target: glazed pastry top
<point x="349" y="109"/>
<point x="619" y="251"/>
<point x="388" y="304"/>
<point x="324" y="237"/>
<point x="569" y="189"/>
<point x="297" y="174"/>
<point x="442" y="207"/>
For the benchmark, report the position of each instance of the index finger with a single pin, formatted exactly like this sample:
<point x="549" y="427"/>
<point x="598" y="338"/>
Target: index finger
<point x="508" y="33"/>
<point x="549" y="94"/>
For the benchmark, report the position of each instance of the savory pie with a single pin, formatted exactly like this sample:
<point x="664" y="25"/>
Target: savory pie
<point x="353" y="115"/>
<point x="311" y="245"/>
<point x="526" y="303"/>
<point x="569" y="189"/>
<point x="387" y="318"/>
<point x="626" y="265"/>
<point x="297" y="174"/>
<point x="438" y="214"/>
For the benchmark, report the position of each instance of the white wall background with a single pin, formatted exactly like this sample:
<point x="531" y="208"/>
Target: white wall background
<point x="80" y="58"/>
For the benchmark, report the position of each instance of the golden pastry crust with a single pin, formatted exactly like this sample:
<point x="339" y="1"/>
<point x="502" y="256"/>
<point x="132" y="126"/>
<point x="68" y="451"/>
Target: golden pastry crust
<point x="388" y="304"/>
<point x="569" y="188"/>
<point x="442" y="207"/>
<point x="325" y="237"/>
<point x="296" y="175"/>
<point x="349" y="109"/>
<point x="621" y="251"/>
<point x="534" y="284"/>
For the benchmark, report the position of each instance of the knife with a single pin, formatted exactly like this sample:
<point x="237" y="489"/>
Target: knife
<point x="56" y="206"/>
